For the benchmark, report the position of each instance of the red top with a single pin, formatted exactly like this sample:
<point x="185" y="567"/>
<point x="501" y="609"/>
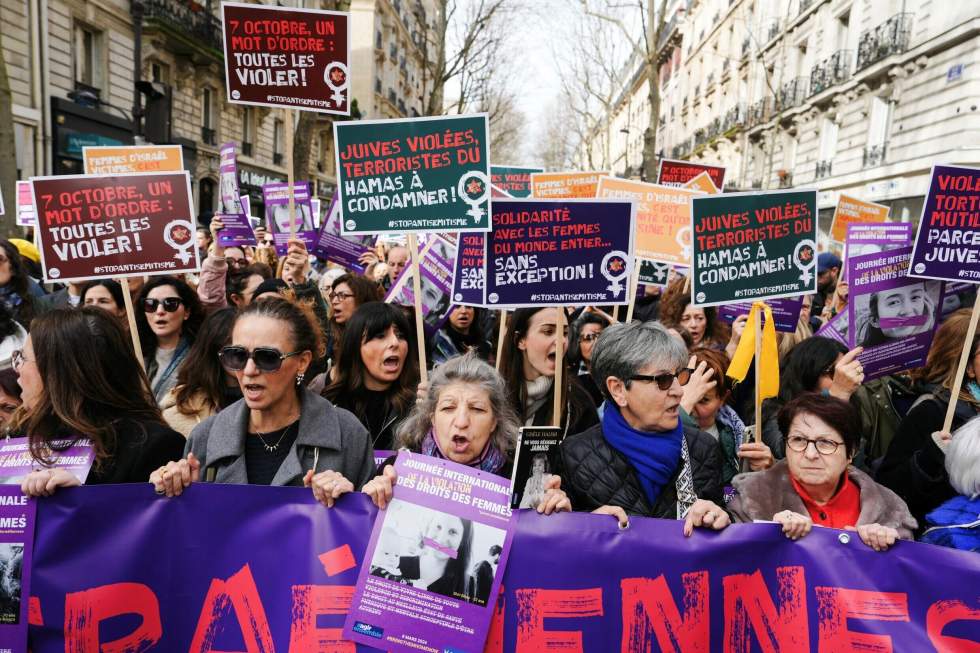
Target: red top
<point x="842" y="510"/>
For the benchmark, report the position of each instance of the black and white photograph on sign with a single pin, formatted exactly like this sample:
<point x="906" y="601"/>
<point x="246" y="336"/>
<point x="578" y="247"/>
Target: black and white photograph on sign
<point x="437" y="552"/>
<point x="896" y="313"/>
<point x="230" y="200"/>
<point x="443" y="249"/>
<point x="11" y="572"/>
<point x="535" y="460"/>
<point x="280" y="214"/>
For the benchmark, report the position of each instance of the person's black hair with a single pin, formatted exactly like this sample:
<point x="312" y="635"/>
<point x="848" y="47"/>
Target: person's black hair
<point x="114" y="288"/>
<point x="202" y="371"/>
<point x="573" y="349"/>
<point x="188" y="297"/>
<point x="20" y="283"/>
<point x="836" y="413"/>
<point x="275" y="285"/>
<point x="496" y="549"/>
<point x="8" y="383"/>
<point x="801" y="370"/>
<point x="236" y="282"/>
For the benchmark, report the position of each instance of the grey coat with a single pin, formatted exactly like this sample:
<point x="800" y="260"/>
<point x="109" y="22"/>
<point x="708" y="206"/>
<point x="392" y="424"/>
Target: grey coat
<point x="329" y="438"/>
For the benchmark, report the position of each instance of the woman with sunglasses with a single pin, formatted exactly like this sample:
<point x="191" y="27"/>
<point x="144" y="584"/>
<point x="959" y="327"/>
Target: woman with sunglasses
<point x="376" y="371"/>
<point x="528" y="366"/>
<point x="80" y="379"/>
<point x="168" y="322"/>
<point x="347" y="293"/>
<point x="585" y="331"/>
<point x="816" y="483"/>
<point x="279" y="433"/>
<point x="642" y="458"/>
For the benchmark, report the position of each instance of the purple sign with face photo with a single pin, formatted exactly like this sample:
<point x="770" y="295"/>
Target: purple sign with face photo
<point x="416" y="589"/>
<point x="835" y="328"/>
<point x="237" y="230"/>
<point x="947" y="245"/>
<point x="17" y="514"/>
<point x="891" y="315"/>
<point x="785" y="312"/>
<point x="276" y="198"/>
<point x="436" y="283"/>
<point x="343" y="250"/>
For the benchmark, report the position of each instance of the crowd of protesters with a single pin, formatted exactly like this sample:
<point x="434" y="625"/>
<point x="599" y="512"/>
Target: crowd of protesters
<point x="291" y="371"/>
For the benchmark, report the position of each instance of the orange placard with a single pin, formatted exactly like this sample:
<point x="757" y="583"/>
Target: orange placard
<point x="124" y="159"/>
<point x="663" y="218"/>
<point x="854" y="211"/>
<point x="563" y="185"/>
<point x="702" y="183"/>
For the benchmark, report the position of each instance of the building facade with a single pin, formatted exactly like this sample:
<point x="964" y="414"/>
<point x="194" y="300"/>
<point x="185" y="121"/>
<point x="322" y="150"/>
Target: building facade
<point x="853" y="96"/>
<point x="71" y="70"/>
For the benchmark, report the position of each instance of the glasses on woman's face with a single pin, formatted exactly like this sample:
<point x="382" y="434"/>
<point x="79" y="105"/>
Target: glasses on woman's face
<point x="267" y="359"/>
<point x="589" y="337"/>
<point x="17" y="359"/>
<point x="666" y="380"/>
<point x="799" y="444"/>
<point x="236" y="262"/>
<point x="339" y="296"/>
<point x="170" y="304"/>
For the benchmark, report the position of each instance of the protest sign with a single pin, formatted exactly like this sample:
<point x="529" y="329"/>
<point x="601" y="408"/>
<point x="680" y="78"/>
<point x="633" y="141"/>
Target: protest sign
<point x="947" y="244"/>
<point x="25" y="205"/>
<point x="381" y="455"/>
<point x="16" y="461"/>
<point x="315" y="204"/>
<point x="413" y="174"/>
<point x="752" y="246"/>
<point x="536" y="458"/>
<point x="470" y="270"/>
<point x="414" y="590"/>
<point x="702" y="183"/>
<point x="559" y="253"/>
<point x="785" y="312"/>
<point x="345" y="251"/>
<point x="678" y="173"/>
<point x="835" y="328"/>
<point x="116" y="159"/>
<point x="17" y="518"/>
<point x="276" y="199"/>
<point x="663" y="218"/>
<point x="513" y="180"/>
<point x="573" y="580"/>
<point x="92" y="227"/>
<point x="653" y="273"/>
<point x="563" y="185"/>
<point x="851" y="210"/>
<point x="2" y="209"/>
<point x="286" y="57"/>
<point x="436" y="284"/>
<point x="237" y="230"/>
<point x="889" y="314"/>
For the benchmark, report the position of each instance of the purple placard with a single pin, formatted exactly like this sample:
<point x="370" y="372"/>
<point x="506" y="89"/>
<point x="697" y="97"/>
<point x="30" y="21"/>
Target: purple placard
<point x="947" y="245"/>
<point x="413" y="591"/>
<point x="381" y="455"/>
<point x="437" y="283"/>
<point x="785" y="312"/>
<point x="343" y="250"/>
<point x="16" y="461"/>
<point x="835" y="328"/>
<point x="569" y="252"/>
<point x="237" y="230"/>
<point x="890" y="314"/>
<point x="470" y="274"/>
<point x="276" y="198"/>
<point x="17" y="516"/>
<point x="870" y="238"/>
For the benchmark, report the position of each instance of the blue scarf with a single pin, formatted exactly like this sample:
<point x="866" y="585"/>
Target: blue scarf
<point x="654" y="455"/>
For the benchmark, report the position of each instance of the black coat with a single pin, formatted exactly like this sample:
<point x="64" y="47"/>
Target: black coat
<point x="580" y="412"/>
<point x="141" y="448"/>
<point x="595" y="474"/>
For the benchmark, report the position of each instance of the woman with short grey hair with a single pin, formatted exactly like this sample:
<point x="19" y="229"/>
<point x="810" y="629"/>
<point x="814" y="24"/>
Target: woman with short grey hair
<point x="955" y="523"/>
<point x="641" y="457"/>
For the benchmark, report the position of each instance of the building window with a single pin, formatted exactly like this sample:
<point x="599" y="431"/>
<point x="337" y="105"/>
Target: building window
<point x="828" y="148"/>
<point x="159" y="72"/>
<point x="208" y="135"/>
<point x="205" y="201"/>
<point x="278" y="142"/>
<point x="88" y="56"/>
<point x="879" y="124"/>
<point x="248" y="130"/>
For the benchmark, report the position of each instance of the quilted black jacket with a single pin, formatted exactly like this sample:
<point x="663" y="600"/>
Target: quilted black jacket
<point x="595" y="474"/>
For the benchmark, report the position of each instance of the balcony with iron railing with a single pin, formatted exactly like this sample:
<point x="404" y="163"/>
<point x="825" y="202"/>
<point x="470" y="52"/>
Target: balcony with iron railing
<point x="700" y="137"/>
<point x="835" y="69"/>
<point x="189" y="26"/>
<point x="804" y="5"/>
<point x="746" y="46"/>
<point x="874" y="155"/>
<point x="759" y="112"/>
<point x="891" y="37"/>
<point x="734" y="117"/>
<point x="208" y="136"/>
<point x="246" y="148"/>
<point x="793" y="93"/>
<point x="277" y="158"/>
<point x="713" y="129"/>
<point x="773" y="28"/>
<point x="823" y="169"/>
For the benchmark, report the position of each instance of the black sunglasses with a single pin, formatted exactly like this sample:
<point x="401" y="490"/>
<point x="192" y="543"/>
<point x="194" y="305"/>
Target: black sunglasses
<point x="267" y="359"/>
<point x="665" y="380"/>
<point x="170" y="304"/>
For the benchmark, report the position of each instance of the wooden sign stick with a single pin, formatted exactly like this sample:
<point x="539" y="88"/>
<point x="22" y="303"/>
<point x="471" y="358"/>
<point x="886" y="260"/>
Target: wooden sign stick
<point x="288" y="128"/>
<point x="961" y="368"/>
<point x="559" y="367"/>
<point x="131" y="317"/>
<point x="757" y="436"/>
<point x="413" y="247"/>
<point x="633" y="287"/>
<point x="502" y="333"/>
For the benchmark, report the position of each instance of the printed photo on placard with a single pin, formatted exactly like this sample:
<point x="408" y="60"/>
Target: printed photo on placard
<point x="535" y="460"/>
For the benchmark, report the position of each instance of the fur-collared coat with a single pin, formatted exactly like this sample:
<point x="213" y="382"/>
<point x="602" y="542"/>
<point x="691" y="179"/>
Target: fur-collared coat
<point x="760" y="495"/>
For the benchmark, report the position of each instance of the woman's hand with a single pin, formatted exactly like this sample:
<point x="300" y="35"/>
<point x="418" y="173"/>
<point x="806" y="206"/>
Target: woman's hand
<point x="698" y="385"/>
<point x="380" y="487"/>
<point x="876" y="536"/>
<point x="794" y="524"/>
<point x="555" y="499"/>
<point x="368" y="258"/>
<point x="758" y="454"/>
<point x="217" y="225"/>
<point x="705" y="514"/>
<point x="421" y="392"/>
<point x="840" y="297"/>
<point x="297" y="266"/>
<point x="942" y="439"/>
<point x="738" y="327"/>
<point x="43" y="482"/>
<point x="615" y="511"/>
<point x="327" y="486"/>
<point x="848" y="374"/>
<point x="175" y="476"/>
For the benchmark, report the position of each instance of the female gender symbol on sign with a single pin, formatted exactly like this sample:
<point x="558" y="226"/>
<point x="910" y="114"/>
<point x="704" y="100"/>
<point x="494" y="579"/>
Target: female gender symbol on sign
<point x="474" y="189"/>
<point x="804" y="258"/>
<point x="683" y="238"/>
<point x="179" y="235"/>
<point x="615" y="267"/>
<point x="336" y="77"/>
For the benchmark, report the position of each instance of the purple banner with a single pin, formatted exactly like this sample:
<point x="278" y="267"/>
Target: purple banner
<point x="343" y="250"/>
<point x="276" y="198"/>
<point x="237" y="230"/>
<point x="559" y="252"/>
<point x="947" y="245"/>
<point x="891" y="315"/>
<point x="16" y="461"/>
<point x="785" y="312"/>
<point x="233" y="568"/>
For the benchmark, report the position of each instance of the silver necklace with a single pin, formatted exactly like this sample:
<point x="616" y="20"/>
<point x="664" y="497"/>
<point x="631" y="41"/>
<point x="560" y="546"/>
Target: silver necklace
<point x="271" y="448"/>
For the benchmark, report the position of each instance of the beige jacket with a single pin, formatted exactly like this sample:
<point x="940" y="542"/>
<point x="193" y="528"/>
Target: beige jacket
<point x="184" y="423"/>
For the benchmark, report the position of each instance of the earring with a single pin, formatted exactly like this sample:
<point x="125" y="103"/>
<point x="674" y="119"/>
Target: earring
<point x="299" y="378"/>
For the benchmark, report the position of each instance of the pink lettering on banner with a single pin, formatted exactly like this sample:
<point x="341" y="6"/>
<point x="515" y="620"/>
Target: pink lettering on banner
<point x="85" y="610"/>
<point x="749" y="608"/>
<point x="835" y="605"/>
<point x="536" y="605"/>
<point x="238" y="594"/>
<point x="649" y="606"/>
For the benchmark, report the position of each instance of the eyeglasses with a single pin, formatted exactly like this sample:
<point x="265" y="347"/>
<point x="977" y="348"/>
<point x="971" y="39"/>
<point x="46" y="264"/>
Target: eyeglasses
<point x="589" y="337"/>
<point x="824" y="446"/>
<point x="267" y="359"/>
<point x="340" y="296"/>
<point x="666" y="380"/>
<point x="17" y="359"/>
<point x="829" y="371"/>
<point x="170" y="304"/>
<point x="236" y="262"/>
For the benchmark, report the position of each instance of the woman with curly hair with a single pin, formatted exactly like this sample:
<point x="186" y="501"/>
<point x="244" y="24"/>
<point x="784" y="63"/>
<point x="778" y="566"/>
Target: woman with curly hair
<point x="676" y="311"/>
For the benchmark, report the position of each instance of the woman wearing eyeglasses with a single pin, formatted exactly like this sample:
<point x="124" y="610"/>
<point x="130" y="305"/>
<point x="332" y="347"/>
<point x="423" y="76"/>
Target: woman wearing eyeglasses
<point x="376" y="370"/>
<point x="279" y="433"/>
<point x="168" y="321"/>
<point x="585" y="331"/>
<point x="816" y="483"/>
<point x="347" y="293"/>
<point x="80" y="379"/>
<point x="641" y="458"/>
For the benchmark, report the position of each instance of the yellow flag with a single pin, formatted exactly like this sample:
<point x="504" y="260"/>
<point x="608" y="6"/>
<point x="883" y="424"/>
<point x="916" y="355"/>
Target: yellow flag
<point x="768" y="362"/>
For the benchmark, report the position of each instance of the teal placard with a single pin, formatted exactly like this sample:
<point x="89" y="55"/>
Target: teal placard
<point x="413" y="175"/>
<point x="513" y="180"/>
<point x="753" y="246"/>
